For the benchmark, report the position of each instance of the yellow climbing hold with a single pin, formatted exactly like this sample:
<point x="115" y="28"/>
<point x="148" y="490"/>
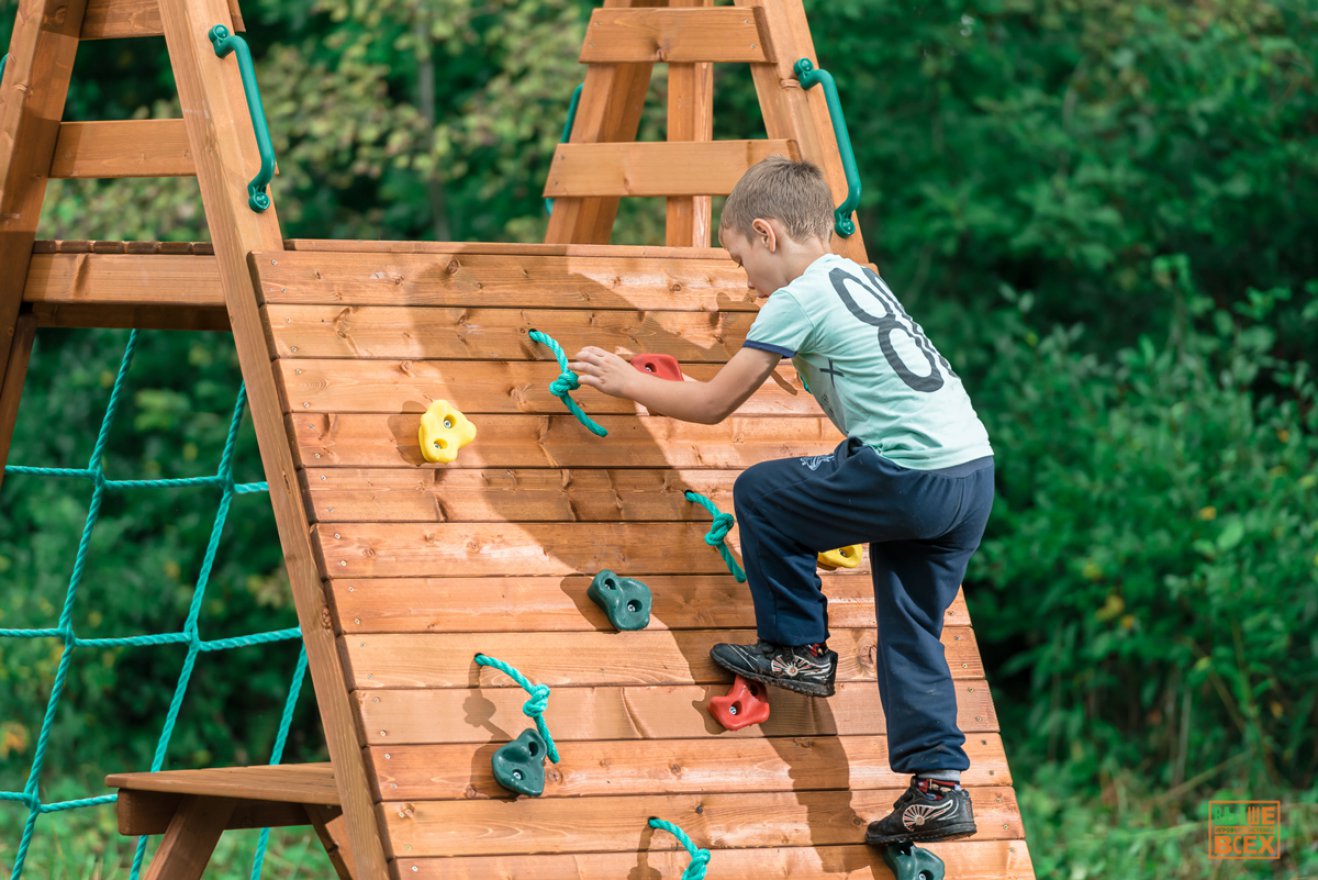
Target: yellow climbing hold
<point x="444" y="430"/>
<point x="842" y="557"/>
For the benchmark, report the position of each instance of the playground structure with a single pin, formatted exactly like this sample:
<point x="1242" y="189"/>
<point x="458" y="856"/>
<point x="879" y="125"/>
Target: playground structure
<point x="405" y="570"/>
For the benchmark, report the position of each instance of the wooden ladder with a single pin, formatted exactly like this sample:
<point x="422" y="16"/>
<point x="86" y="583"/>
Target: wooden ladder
<point x="194" y="286"/>
<point x="602" y="161"/>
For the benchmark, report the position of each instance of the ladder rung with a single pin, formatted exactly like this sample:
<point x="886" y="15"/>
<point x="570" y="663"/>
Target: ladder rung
<point x="114" y="19"/>
<point x="677" y="35"/>
<point x="674" y="168"/>
<point x="123" y="148"/>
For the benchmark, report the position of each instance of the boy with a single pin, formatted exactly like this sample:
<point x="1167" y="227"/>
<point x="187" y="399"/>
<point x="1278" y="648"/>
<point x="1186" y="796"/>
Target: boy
<point x="914" y="478"/>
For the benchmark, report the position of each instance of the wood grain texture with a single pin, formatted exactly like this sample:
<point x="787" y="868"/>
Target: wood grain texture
<point x="118" y="19"/>
<point x="596" y="659"/>
<point x="505" y="249"/>
<point x="369" y="440"/>
<point x="504" y="280"/>
<point x="123" y="148"/>
<point x="398" y="386"/>
<point x="150" y="812"/>
<point x="674" y="36"/>
<point x="559" y="604"/>
<point x="618" y="824"/>
<point x="156" y="280"/>
<point x="657" y="169"/>
<point x="191" y="838"/>
<point x="11" y="383"/>
<point x="689" y="221"/>
<point x="498" y="334"/>
<point x="494" y="714"/>
<point x="682" y="766"/>
<point x="965" y="860"/>
<point x="291" y="783"/>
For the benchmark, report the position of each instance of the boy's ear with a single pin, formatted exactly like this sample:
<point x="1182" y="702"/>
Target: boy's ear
<point x="765" y="233"/>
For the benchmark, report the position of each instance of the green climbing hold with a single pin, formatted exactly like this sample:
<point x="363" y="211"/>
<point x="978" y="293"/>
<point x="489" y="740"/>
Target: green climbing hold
<point x="519" y="766"/>
<point x="625" y="600"/>
<point x="910" y="862"/>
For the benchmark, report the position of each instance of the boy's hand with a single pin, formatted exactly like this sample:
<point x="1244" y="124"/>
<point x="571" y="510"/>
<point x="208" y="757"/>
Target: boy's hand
<point x="604" y="371"/>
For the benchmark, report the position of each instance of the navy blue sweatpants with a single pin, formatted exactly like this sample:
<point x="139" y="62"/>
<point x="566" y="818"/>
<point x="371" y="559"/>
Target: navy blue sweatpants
<point x="922" y="528"/>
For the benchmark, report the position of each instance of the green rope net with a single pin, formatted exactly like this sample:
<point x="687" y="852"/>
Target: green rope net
<point x="718" y="533"/>
<point x="533" y="708"/>
<point x="699" y="857"/>
<point x="566" y="382"/>
<point x="189" y="635"/>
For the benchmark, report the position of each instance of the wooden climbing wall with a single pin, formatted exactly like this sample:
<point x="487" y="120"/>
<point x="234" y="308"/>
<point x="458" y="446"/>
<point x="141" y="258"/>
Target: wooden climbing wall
<point x="425" y="565"/>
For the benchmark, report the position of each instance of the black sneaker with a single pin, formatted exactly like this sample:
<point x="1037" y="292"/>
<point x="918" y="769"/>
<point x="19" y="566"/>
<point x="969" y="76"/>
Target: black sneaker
<point x="806" y="670"/>
<point x="924" y="813"/>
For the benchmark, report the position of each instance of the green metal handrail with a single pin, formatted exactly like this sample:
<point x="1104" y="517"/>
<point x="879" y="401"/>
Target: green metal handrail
<point x="225" y="43"/>
<point x="809" y="76"/>
<point x="567" y="131"/>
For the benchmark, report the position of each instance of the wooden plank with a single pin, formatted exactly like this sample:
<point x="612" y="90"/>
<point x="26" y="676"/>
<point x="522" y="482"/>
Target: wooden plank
<point x="142" y="317"/>
<point x="190" y="839"/>
<point x="792" y="112"/>
<point x="965" y="860"/>
<point x="333" y="833"/>
<point x="149" y="812"/>
<point x="140" y="248"/>
<point x="556" y="604"/>
<point x="156" y="281"/>
<point x="542" y="495"/>
<point x="505" y="249"/>
<point x="683" y="766"/>
<point x="316" y="385"/>
<point x="123" y="148"/>
<point x="674" y="36"/>
<point x="596" y="659"/>
<point x="656" y="169"/>
<point x="618" y="824"/>
<point x="11" y="384"/>
<point x="612" y="99"/>
<point x="119" y="19"/>
<point x="691" y="118"/>
<point x="494" y="714"/>
<point x="498" y="334"/>
<point x="291" y="783"/>
<point x="224" y="144"/>
<point x="503" y="280"/>
<point x="42" y="49"/>
<point x="369" y="440"/>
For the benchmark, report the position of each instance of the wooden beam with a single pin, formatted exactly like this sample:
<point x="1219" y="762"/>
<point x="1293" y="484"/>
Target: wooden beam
<point x="191" y="838"/>
<point x="499" y="334"/>
<point x="618" y="824"/>
<point x="36" y="83"/>
<point x="150" y="812"/>
<point x="118" y="19"/>
<point x="333" y="833"/>
<point x="675" y="35"/>
<point x="674" y="766"/>
<point x="123" y="148"/>
<point x="507" y="249"/>
<point x="288" y="783"/>
<point x="494" y="714"/>
<point x="965" y="860"/>
<point x="691" y="118"/>
<point x="656" y="169"/>
<point x="368" y="440"/>
<point x="595" y="659"/>
<point x="141" y="317"/>
<point x="223" y="141"/>
<point x="151" y="281"/>
<point x="11" y="384"/>
<point x="559" y="604"/>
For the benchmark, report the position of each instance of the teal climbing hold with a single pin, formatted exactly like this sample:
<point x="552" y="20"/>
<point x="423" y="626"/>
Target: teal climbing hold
<point x="910" y="862"/>
<point x="625" y="600"/>
<point x="699" y="857"/>
<point x="718" y="533"/>
<point x="566" y="382"/>
<point x="519" y="766"/>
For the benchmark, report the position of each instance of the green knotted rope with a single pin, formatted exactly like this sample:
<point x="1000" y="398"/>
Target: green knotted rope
<point x="189" y="635"/>
<point x="699" y="857"/>
<point x="566" y="382"/>
<point x="718" y="533"/>
<point x="535" y="707"/>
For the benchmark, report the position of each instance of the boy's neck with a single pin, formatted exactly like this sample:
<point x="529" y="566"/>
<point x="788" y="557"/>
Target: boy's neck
<point x="798" y="255"/>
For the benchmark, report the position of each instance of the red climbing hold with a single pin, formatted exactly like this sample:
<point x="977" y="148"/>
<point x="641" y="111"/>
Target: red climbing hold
<point x="745" y="704"/>
<point x="665" y="366"/>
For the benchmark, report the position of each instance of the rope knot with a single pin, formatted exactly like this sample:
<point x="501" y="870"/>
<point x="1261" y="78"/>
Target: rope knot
<point x="539" y="701"/>
<point x="719" y="529"/>
<point x="566" y="382"/>
<point x="696" y="870"/>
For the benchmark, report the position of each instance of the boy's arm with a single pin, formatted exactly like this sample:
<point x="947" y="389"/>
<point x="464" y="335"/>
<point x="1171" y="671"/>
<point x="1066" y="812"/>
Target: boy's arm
<point x="691" y="401"/>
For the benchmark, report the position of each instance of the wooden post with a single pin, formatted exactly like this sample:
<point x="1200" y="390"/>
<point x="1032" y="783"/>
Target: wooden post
<point x="222" y="140"/>
<point x="690" y="118"/>
<point x="11" y="386"/>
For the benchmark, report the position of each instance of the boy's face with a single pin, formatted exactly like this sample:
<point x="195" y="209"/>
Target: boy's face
<point x="760" y="256"/>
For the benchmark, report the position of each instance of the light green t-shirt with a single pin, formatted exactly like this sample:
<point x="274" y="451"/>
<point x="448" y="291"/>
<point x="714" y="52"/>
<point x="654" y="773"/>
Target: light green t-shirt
<point x="870" y="366"/>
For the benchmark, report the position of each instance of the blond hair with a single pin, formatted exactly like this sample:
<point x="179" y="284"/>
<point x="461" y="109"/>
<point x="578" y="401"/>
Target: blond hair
<point x="778" y="188"/>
